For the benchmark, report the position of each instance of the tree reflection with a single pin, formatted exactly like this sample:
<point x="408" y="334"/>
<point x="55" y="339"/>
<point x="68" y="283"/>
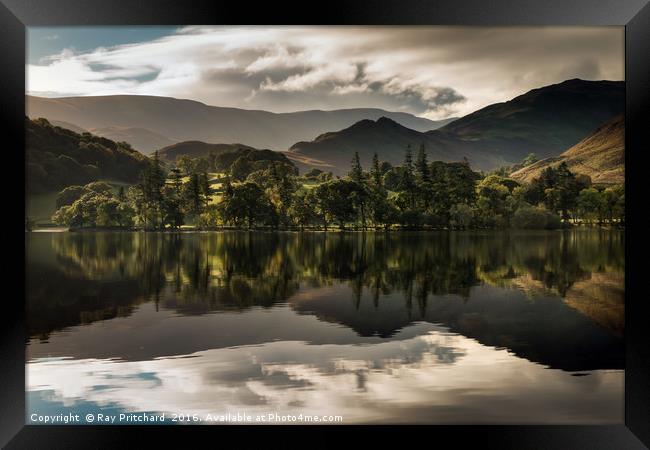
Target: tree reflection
<point x="78" y="278"/>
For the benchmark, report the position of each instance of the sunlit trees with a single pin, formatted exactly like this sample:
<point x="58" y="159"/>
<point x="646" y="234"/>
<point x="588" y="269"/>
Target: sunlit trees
<point x="95" y="209"/>
<point x="263" y="190"/>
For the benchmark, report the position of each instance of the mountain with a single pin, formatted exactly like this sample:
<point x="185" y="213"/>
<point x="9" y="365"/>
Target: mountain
<point x="160" y="121"/>
<point x="197" y="149"/>
<point x="385" y="136"/>
<point x="545" y="121"/>
<point x="57" y="157"/>
<point x="600" y="155"/>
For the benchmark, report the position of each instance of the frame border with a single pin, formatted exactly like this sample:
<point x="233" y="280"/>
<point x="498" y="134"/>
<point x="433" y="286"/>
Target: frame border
<point x="16" y="15"/>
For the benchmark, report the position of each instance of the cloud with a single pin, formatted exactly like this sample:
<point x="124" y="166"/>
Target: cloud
<point x="429" y="71"/>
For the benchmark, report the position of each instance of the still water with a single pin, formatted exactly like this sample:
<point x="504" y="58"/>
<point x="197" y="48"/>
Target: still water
<point x="458" y="327"/>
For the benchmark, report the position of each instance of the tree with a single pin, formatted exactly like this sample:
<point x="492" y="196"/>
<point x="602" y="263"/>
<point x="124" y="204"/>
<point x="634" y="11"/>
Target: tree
<point x="613" y="203"/>
<point x="407" y="183"/>
<point x="422" y="166"/>
<point x="209" y="218"/>
<point x="185" y="163"/>
<point x="95" y="209"/>
<point x="382" y="210"/>
<point x="375" y="172"/>
<point x="302" y="211"/>
<point x="69" y="195"/>
<point x="152" y="181"/>
<point x="281" y="195"/>
<point x="335" y="201"/>
<point x="567" y="190"/>
<point x="240" y="169"/>
<point x="246" y="204"/>
<point x="589" y="204"/>
<point x="491" y="202"/>
<point x="356" y="171"/>
<point x="193" y="195"/>
<point x="531" y="217"/>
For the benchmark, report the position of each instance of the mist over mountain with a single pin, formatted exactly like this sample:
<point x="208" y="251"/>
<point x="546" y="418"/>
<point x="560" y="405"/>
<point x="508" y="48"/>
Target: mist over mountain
<point x="149" y="123"/>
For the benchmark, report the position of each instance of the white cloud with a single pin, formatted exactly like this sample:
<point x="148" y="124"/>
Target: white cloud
<point x="431" y="71"/>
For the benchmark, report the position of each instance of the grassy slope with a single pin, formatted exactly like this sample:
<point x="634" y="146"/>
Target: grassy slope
<point x="601" y="156"/>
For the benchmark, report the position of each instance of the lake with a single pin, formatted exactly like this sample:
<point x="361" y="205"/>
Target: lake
<point x="401" y="327"/>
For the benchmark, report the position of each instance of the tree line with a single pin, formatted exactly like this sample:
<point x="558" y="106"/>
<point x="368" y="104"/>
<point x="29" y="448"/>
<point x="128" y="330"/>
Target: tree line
<point x="416" y="195"/>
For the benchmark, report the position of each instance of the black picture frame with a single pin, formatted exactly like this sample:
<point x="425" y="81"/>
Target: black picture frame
<point x="16" y="15"/>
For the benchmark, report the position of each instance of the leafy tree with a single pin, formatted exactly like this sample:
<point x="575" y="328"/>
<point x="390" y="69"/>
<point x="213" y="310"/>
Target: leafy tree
<point x="246" y="204"/>
<point x="209" y="218"/>
<point x="302" y="210"/>
<point x="185" y="164"/>
<point x="281" y="196"/>
<point x="335" y="201"/>
<point x="69" y="195"/>
<point x="492" y="195"/>
<point x="589" y="204"/>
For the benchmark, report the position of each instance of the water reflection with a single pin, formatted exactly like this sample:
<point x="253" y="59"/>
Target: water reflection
<point x="439" y="326"/>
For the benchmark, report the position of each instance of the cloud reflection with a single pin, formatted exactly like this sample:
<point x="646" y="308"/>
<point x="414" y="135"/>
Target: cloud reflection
<point x="437" y="377"/>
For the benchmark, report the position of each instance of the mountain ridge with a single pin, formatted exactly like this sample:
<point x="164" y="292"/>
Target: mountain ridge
<point x="178" y="120"/>
<point x="545" y="121"/>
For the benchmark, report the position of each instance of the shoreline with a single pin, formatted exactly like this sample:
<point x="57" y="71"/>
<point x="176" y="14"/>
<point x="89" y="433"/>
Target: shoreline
<point x="316" y="229"/>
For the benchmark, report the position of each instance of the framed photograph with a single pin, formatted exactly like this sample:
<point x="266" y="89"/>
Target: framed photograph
<point x="262" y="220"/>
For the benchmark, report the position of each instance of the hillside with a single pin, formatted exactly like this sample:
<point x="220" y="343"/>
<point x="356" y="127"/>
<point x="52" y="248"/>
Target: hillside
<point x="58" y="157"/>
<point x="545" y="121"/>
<point x="601" y="156"/>
<point x="149" y="122"/>
<point x="197" y="149"/>
<point x="146" y="141"/>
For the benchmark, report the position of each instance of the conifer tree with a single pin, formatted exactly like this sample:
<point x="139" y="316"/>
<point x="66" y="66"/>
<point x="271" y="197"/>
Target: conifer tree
<point x="422" y="166"/>
<point x="356" y="172"/>
<point x="375" y="171"/>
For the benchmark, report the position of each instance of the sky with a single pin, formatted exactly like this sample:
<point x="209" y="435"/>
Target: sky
<point x="434" y="72"/>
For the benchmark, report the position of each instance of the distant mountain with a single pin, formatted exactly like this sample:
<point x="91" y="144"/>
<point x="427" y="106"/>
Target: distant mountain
<point x="197" y="149"/>
<point x="58" y="157"/>
<point x="545" y="121"/>
<point x="600" y="155"/>
<point x="385" y="136"/>
<point x="148" y="122"/>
